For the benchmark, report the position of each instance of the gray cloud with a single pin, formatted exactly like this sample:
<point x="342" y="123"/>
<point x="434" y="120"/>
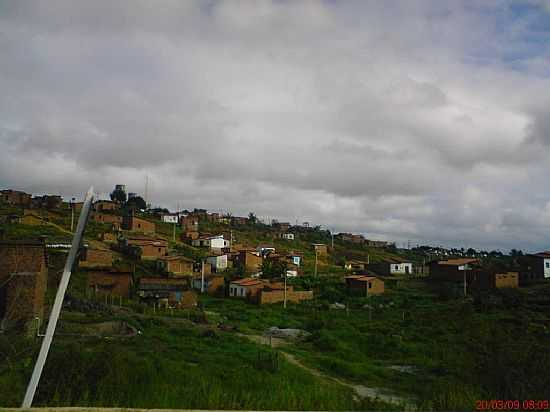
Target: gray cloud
<point x="402" y="120"/>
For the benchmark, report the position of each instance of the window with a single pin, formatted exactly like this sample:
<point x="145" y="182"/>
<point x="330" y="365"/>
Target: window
<point x="159" y="250"/>
<point x="547" y="265"/>
<point x="370" y="285"/>
<point x="396" y="267"/>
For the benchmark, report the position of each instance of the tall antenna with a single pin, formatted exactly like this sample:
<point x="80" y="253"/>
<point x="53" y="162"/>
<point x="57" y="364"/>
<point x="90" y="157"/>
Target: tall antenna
<point x="146" y="189"/>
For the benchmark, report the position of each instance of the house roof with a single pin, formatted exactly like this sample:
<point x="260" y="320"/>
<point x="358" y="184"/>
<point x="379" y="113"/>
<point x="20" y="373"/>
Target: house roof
<point x="176" y="257"/>
<point x="395" y="260"/>
<point x="457" y="262"/>
<point x="545" y="255"/>
<point x="247" y="282"/>
<point x="361" y="278"/>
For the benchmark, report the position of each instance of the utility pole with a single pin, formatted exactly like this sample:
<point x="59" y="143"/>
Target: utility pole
<point x="465" y="270"/>
<point x="332" y="239"/>
<point x="202" y="276"/>
<point x="284" y="304"/>
<point x="315" y="262"/>
<point x="174" y="235"/>
<point x="72" y="214"/>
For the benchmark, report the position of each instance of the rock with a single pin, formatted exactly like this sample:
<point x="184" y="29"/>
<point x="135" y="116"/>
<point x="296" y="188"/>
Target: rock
<point x="337" y="306"/>
<point x="286" y="333"/>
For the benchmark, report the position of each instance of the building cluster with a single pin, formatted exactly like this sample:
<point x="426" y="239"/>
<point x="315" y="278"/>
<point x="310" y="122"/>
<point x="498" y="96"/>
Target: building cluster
<point x="225" y="268"/>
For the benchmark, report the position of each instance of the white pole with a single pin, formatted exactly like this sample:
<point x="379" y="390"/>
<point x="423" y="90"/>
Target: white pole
<point x="202" y="276"/>
<point x="285" y="291"/>
<point x="56" y="310"/>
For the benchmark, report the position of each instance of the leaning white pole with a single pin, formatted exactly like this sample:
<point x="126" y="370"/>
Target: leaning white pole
<point x="56" y="310"/>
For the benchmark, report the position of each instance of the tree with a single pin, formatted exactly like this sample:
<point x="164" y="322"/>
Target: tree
<point x="118" y="195"/>
<point x="252" y="218"/>
<point x="272" y="268"/>
<point x="137" y="203"/>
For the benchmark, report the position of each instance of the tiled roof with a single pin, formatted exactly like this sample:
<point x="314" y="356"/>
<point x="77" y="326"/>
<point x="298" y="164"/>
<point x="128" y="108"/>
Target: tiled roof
<point x="247" y="282"/>
<point x="361" y="278"/>
<point x="457" y="262"/>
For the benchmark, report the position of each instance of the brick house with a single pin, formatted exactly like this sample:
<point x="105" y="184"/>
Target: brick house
<point x="239" y="221"/>
<point x="246" y="288"/>
<point x="106" y="206"/>
<point x="95" y="258"/>
<point x="105" y="218"/>
<point x="214" y="285"/>
<point x="176" y="265"/>
<point x="452" y="269"/>
<point x="110" y="282"/>
<point x="355" y="265"/>
<point x="249" y="261"/>
<point x="321" y="250"/>
<point x="15" y="198"/>
<point x="136" y="224"/>
<point x="167" y="292"/>
<point x="47" y="202"/>
<point x="144" y="247"/>
<point x="189" y="223"/>
<point x="364" y="285"/>
<point x="537" y="267"/>
<point x="23" y="280"/>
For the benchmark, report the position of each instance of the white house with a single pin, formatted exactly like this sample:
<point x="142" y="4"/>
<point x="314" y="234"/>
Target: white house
<point x="212" y="242"/>
<point x="288" y="236"/>
<point x="218" y="263"/>
<point x="170" y="219"/>
<point x="265" y="249"/>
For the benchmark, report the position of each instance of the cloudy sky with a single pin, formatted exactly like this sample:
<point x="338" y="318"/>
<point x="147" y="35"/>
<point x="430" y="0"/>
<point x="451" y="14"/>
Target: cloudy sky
<point x="420" y="120"/>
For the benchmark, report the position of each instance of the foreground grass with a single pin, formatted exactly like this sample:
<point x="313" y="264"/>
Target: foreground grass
<point x="171" y="366"/>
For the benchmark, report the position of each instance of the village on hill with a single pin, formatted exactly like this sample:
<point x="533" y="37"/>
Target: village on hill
<point x="248" y="278"/>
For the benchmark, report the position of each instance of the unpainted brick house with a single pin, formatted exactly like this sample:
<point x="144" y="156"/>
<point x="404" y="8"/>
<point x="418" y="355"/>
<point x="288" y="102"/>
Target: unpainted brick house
<point x="23" y="280"/>
<point x="364" y="285"/>
<point x="136" y="224"/>
<point x="90" y="258"/>
<point x="176" y="265"/>
<point x="110" y="282"/>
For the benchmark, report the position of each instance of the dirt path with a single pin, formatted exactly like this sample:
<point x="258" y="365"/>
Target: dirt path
<point x="361" y="391"/>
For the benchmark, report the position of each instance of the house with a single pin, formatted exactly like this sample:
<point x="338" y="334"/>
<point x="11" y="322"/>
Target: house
<point x="110" y="282"/>
<point x="189" y="235"/>
<point x="144" y="247"/>
<point x="47" y="202"/>
<point x="211" y="242"/>
<point x="15" y="198"/>
<point x="251" y="262"/>
<point x="537" y="267"/>
<point x="136" y="224"/>
<point x="99" y="217"/>
<point x="166" y="292"/>
<point x="218" y="263"/>
<point x="190" y="223"/>
<point x="392" y="266"/>
<point x="105" y="206"/>
<point x="452" y="269"/>
<point x="214" y="285"/>
<point x="265" y="249"/>
<point x="364" y="285"/>
<point x="23" y="280"/>
<point x="90" y="257"/>
<point x="246" y="288"/>
<point x="505" y="280"/>
<point x="377" y="243"/>
<point x="170" y="218"/>
<point x="295" y="258"/>
<point x="280" y="226"/>
<point x="176" y="265"/>
<point x="239" y="221"/>
<point x="321" y="250"/>
<point x="355" y="265"/>
<point x="288" y="236"/>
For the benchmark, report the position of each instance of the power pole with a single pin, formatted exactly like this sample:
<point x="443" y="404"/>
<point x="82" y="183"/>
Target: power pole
<point x="315" y="262"/>
<point x="465" y="269"/>
<point x="72" y="214"/>
<point x="202" y="276"/>
<point x="284" y="305"/>
<point x="174" y="235"/>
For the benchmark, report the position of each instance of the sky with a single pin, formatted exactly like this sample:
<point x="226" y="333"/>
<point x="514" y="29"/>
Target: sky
<point x="421" y="121"/>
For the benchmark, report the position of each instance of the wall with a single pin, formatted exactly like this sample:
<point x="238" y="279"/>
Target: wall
<point x="275" y="296"/>
<point x="24" y="292"/>
<point x="96" y="258"/>
<point x="99" y="280"/>
<point x="507" y="280"/>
